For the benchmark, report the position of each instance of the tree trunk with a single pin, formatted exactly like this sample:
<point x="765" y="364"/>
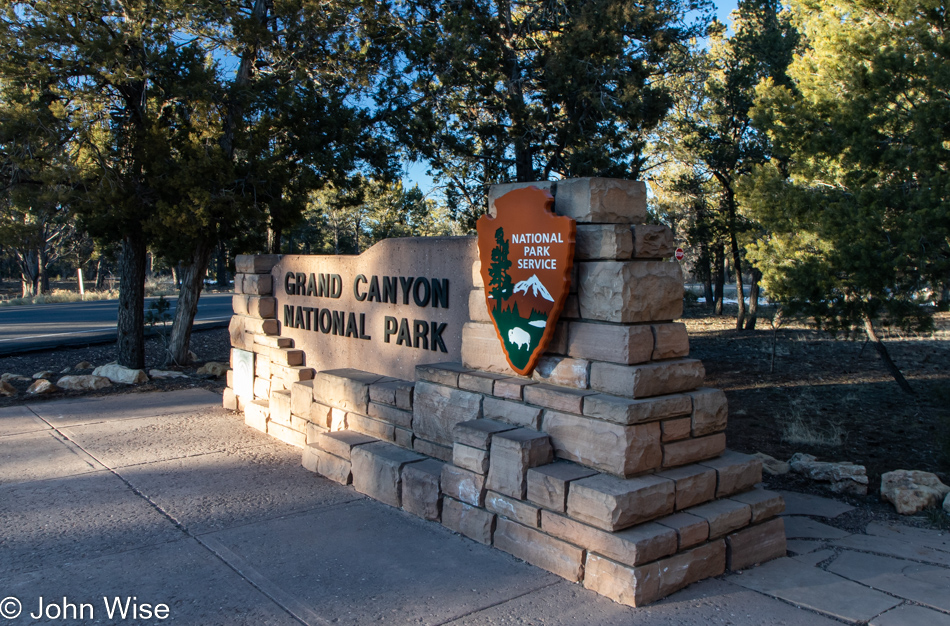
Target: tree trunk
<point x="192" y="280"/>
<point x="753" y="299"/>
<point x="42" y="261"/>
<point x="705" y="269"/>
<point x="719" y="257"/>
<point x="885" y="356"/>
<point x="131" y="320"/>
<point x="740" y="288"/>
<point x="100" y="279"/>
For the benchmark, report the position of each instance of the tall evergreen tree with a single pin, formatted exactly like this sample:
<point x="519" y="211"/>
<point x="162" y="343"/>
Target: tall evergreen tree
<point x="858" y="212"/>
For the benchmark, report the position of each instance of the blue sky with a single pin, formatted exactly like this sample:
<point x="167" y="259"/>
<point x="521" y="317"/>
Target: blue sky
<point x="416" y="172"/>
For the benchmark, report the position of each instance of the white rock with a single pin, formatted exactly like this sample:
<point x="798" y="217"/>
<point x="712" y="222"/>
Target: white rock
<point x="912" y="491"/>
<point x="119" y="374"/>
<point x="84" y="365"/>
<point x="771" y="465"/>
<point x="946" y="504"/>
<point x="43" y="374"/>
<point x="83" y="382"/>
<point x="213" y="368"/>
<point x="166" y="374"/>
<point x="844" y="477"/>
<point x="42" y="386"/>
<point x="8" y="377"/>
<point x="7" y="390"/>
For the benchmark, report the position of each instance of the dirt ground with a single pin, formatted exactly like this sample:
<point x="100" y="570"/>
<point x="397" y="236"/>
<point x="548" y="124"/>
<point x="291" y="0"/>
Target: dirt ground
<point x="831" y="398"/>
<point x="820" y="395"/>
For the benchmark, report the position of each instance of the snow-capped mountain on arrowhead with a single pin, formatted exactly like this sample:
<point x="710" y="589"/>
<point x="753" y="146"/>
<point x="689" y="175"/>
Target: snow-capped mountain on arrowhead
<point x="531" y="295"/>
<point x="536" y="286"/>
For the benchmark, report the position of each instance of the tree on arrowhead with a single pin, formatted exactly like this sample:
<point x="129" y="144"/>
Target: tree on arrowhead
<point x="500" y="284"/>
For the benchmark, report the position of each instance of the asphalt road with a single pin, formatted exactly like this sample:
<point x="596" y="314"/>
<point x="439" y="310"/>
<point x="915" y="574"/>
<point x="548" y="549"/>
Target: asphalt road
<point x="45" y="326"/>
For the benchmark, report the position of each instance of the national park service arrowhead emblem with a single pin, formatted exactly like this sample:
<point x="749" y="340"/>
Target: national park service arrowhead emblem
<point x="526" y="254"/>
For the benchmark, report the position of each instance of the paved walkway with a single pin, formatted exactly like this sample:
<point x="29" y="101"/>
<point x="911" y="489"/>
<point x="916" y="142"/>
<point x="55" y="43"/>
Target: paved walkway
<point x="167" y="498"/>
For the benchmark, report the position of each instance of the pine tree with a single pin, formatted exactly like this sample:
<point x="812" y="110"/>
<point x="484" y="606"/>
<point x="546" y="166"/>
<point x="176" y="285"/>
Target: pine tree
<point x="500" y="284"/>
<point x="857" y="212"/>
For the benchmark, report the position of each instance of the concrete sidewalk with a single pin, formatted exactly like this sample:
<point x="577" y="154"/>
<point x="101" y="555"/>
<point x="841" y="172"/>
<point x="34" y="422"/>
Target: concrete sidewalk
<point x="168" y="498"/>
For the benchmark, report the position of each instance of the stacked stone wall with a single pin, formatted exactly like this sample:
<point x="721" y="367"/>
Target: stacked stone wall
<point x="607" y="466"/>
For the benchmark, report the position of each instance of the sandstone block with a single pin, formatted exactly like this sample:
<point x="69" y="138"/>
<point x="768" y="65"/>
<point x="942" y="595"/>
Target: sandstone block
<point x="687" y="451"/>
<point x="675" y="429"/>
<point x="440" y="373"/>
<point x="314" y="431"/>
<point x="290" y="374"/>
<point x="383" y="391"/>
<point x="301" y="397"/>
<point x="437" y="409"/>
<point x="280" y="407"/>
<point x="611" y="503"/>
<point x="622" y="410"/>
<point x="474" y="523"/>
<point x="477" y="282"/>
<point x="256" y="413"/>
<point x="548" y="484"/>
<point x="563" y="371"/>
<point x="239" y="304"/>
<point x="377" y="470"/>
<point x="368" y="426"/>
<point x="337" y="419"/>
<point x="479" y="382"/>
<point x="497" y="191"/>
<point x="558" y="344"/>
<point x="695" y="484"/>
<point x="443" y="453"/>
<point x="333" y="467"/>
<point x="613" y="448"/>
<point x="633" y="546"/>
<point x="615" y="343"/>
<point x="469" y="458"/>
<point x="342" y="443"/>
<point x="403" y="437"/>
<point x="261" y="388"/>
<point x="273" y="342"/>
<point x="463" y="485"/>
<point x="601" y="200"/>
<point x="710" y="411"/>
<point x="119" y="374"/>
<point x="652" y="241"/>
<point x="286" y="434"/>
<point x="629" y="292"/>
<point x="533" y="546"/>
<point x="346" y="389"/>
<point x="511" y="388"/>
<point x="255" y="263"/>
<point x="228" y="399"/>
<point x="478" y="433"/>
<point x="390" y="414"/>
<point x="255" y="284"/>
<point x="320" y="414"/>
<point x="691" y="530"/>
<point x="735" y="472"/>
<point x="282" y="356"/>
<point x="572" y="308"/>
<point x="670" y="341"/>
<point x="513" y="452"/>
<point x="263" y="368"/>
<point x="481" y="350"/>
<point x="755" y="545"/>
<point x="603" y="241"/>
<point x="644" y="381"/>
<point x="765" y="504"/>
<point x="511" y="412"/>
<point x="692" y="566"/>
<point x="513" y="509"/>
<point x="724" y="516"/>
<point x="421" y="494"/>
<point x="632" y="586"/>
<point x="477" y="306"/>
<point x="557" y="398"/>
<point x="262" y="307"/>
<point x="84" y="382"/>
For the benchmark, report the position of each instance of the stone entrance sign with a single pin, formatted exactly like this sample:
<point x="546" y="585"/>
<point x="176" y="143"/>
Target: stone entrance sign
<point x="607" y="465"/>
<point x="401" y="303"/>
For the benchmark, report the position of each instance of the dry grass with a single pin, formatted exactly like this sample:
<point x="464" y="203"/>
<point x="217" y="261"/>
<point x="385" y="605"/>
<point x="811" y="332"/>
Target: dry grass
<point x="152" y="288"/>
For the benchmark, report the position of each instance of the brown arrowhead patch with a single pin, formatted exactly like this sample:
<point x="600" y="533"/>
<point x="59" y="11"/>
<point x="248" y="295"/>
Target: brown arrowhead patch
<point x="526" y="253"/>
